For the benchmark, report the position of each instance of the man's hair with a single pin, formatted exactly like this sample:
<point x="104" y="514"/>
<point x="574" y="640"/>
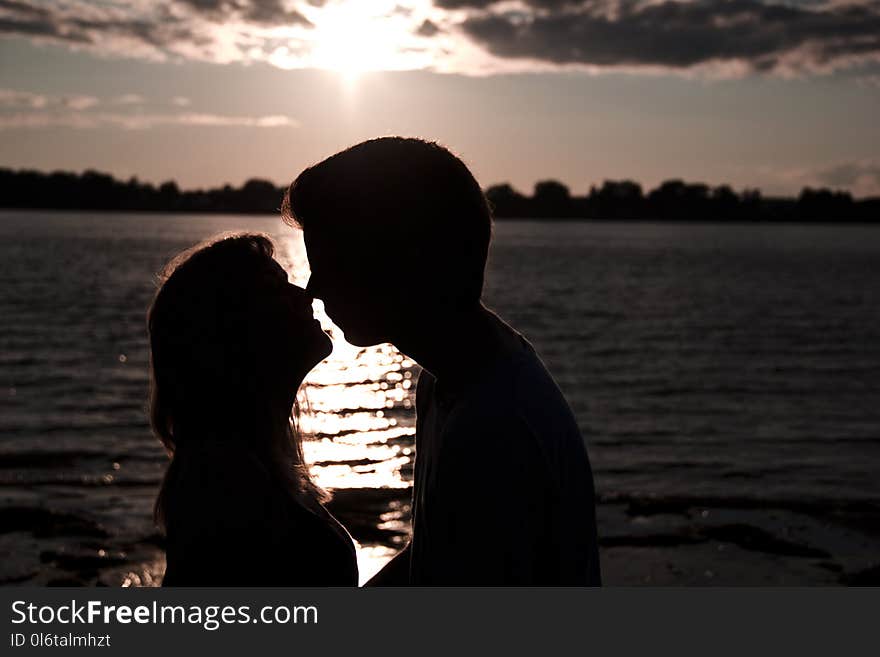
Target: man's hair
<point x="405" y="193"/>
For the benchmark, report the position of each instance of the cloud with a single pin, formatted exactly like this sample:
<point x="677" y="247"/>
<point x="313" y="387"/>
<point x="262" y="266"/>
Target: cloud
<point x="15" y="99"/>
<point x="868" y="80"/>
<point x="732" y="35"/>
<point x="718" y="37"/>
<point x="104" y="28"/>
<point x="862" y="177"/>
<point x="427" y="29"/>
<point x="28" y="110"/>
<point x="79" y="102"/>
<point x="267" y="12"/>
<point x="220" y="31"/>
<point x="12" y="98"/>
<point x="129" y="99"/>
<point x="86" y="121"/>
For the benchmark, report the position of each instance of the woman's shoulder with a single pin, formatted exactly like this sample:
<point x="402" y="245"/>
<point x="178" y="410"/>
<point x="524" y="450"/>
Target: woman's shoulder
<point x="217" y="488"/>
<point x="233" y="523"/>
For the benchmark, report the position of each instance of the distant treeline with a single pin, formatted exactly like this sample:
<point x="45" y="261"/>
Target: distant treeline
<point x="674" y="199"/>
<point x="100" y="191"/>
<point x="678" y="200"/>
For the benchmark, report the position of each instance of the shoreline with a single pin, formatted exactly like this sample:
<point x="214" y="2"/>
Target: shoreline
<point x="643" y="541"/>
<point x="502" y="219"/>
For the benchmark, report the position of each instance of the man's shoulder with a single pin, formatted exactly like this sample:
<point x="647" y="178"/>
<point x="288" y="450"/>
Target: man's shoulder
<point x="424" y="383"/>
<point x="522" y="384"/>
<point x="520" y="396"/>
<point x="537" y="395"/>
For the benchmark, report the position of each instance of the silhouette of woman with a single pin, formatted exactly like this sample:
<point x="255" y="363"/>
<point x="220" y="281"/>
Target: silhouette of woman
<point x="231" y="341"/>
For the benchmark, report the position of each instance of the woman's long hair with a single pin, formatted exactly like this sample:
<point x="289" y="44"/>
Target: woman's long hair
<point x="223" y="362"/>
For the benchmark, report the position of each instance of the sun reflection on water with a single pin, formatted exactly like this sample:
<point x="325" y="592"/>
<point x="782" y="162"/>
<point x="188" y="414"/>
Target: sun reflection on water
<point x="359" y="426"/>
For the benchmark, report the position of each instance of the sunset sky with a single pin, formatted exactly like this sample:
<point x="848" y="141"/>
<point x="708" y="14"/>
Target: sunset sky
<point x="775" y="95"/>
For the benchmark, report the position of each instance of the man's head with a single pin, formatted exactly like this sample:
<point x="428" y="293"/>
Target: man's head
<point x="393" y="227"/>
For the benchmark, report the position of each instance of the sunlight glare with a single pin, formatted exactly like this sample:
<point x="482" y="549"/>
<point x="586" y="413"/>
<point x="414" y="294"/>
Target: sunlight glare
<point x="353" y="37"/>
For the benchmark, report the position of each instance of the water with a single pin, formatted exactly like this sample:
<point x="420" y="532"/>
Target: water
<point x="709" y="360"/>
<point x="713" y="365"/>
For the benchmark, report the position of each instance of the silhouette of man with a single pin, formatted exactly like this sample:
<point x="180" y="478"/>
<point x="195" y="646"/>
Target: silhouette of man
<point x="397" y="232"/>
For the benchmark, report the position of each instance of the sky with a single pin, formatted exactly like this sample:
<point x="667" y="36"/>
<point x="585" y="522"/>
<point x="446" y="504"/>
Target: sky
<point x="753" y="93"/>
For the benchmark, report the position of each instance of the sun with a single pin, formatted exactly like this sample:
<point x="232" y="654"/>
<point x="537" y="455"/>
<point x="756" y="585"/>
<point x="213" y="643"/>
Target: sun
<point x="357" y="37"/>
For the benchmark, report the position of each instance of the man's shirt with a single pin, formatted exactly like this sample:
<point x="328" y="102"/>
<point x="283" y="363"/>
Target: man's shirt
<point x="503" y="490"/>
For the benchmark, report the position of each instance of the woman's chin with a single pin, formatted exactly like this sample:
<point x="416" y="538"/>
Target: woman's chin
<point x="314" y="346"/>
<point x="323" y="345"/>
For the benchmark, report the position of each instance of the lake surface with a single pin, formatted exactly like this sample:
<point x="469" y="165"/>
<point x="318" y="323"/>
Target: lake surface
<point x="709" y="366"/>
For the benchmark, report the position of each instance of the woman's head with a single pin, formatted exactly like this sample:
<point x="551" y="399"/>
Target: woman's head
<point x="231" y="341"/>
